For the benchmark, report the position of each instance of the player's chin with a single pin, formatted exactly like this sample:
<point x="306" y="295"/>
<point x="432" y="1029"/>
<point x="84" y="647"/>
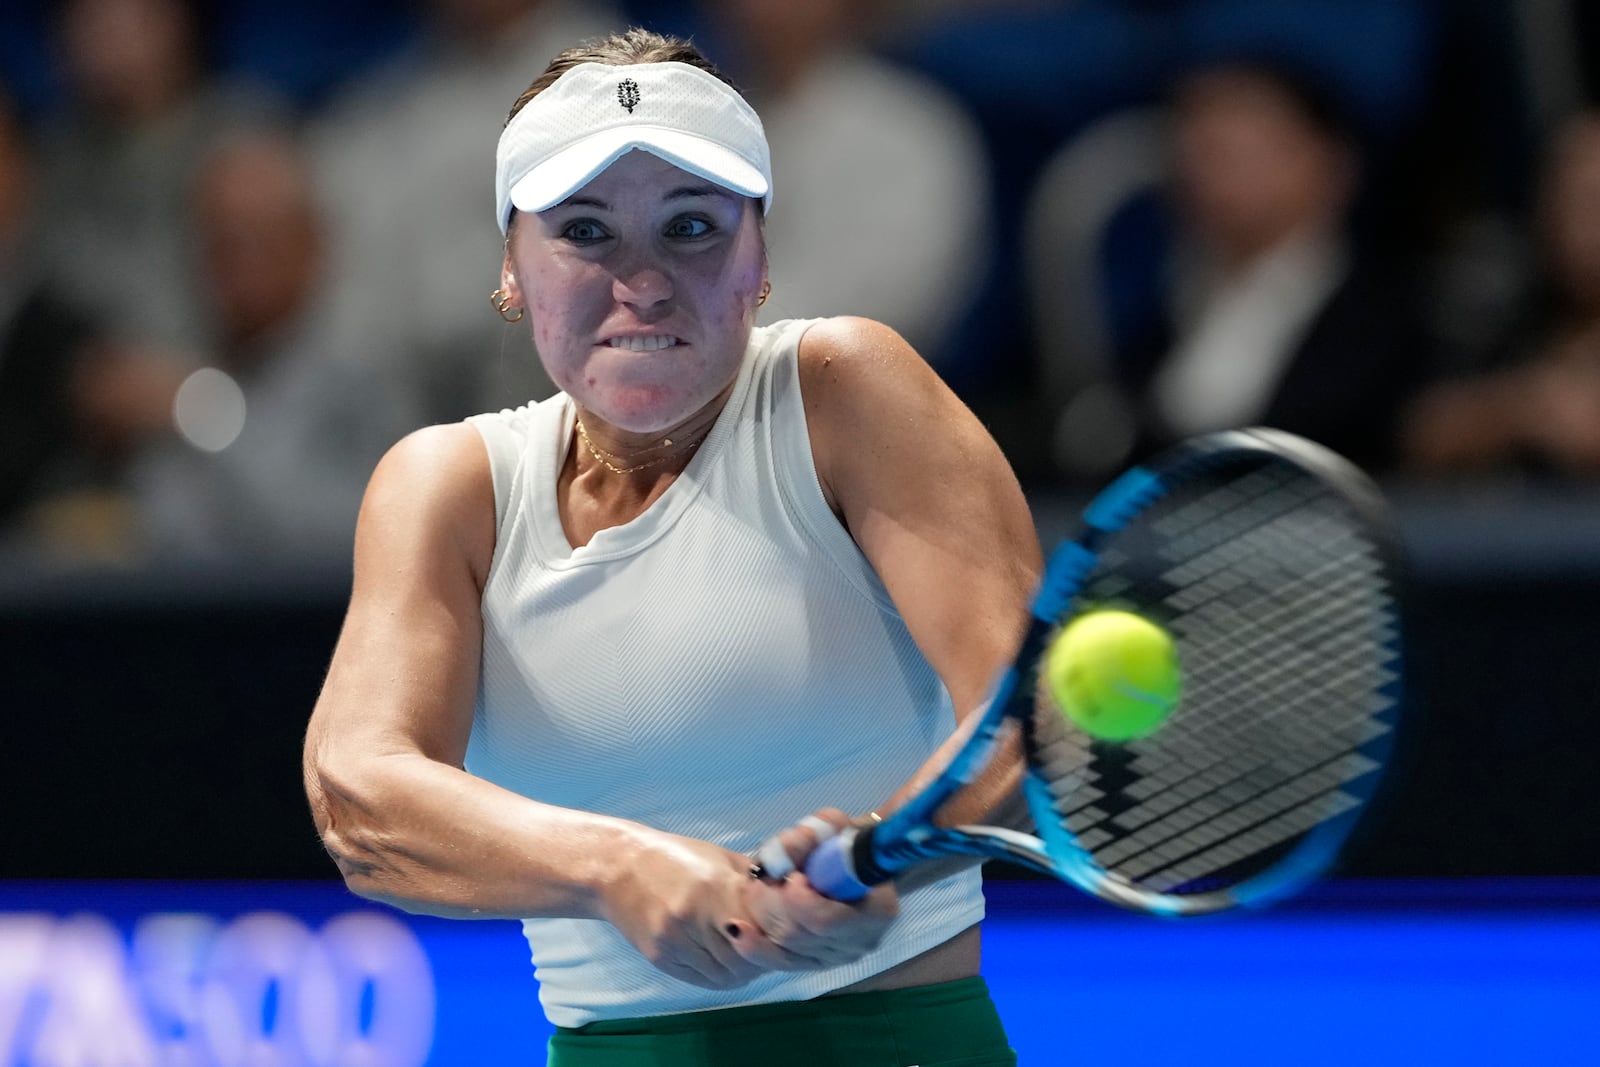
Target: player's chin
<point x="653" y="403"/>
<point x="646" y="410"/>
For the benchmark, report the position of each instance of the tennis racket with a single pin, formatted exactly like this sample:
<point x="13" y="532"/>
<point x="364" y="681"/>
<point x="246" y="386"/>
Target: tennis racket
<point x="1271" y="562"/>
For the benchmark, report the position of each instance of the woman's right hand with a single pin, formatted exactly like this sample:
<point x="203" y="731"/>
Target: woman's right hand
<point x="674" y="899"/>
<point x="797" y="928"/>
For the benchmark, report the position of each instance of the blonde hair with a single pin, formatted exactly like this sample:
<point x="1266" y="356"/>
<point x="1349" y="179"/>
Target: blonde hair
<point x="623" y="49"/>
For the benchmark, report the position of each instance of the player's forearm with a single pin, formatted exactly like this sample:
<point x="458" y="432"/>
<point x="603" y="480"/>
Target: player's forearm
<point x="994" y="797"/>
<point x="430" y="838"/>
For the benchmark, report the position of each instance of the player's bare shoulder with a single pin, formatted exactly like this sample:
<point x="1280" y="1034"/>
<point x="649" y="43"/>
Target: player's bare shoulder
<point x="863" y="386"/>
<point x="446" y="463"/>
<point x="433" y="490"/>
<point x="853" y="353"/>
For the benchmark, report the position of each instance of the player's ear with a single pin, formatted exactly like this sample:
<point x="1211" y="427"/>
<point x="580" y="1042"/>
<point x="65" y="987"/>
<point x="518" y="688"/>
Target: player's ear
<point x="508" y="278"/>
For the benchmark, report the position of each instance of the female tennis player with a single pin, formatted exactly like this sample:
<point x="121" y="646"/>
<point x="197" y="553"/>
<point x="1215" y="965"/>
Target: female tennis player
<point x="599" y="648"/>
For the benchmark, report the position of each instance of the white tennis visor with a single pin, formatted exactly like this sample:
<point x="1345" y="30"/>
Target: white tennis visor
<point x="595" y="112"/>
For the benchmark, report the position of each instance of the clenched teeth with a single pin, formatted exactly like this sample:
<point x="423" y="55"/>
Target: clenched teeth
<point x="643" y="344"/>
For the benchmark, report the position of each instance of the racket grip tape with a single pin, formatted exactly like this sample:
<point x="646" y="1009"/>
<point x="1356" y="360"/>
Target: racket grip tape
<point x="842" y="867"/>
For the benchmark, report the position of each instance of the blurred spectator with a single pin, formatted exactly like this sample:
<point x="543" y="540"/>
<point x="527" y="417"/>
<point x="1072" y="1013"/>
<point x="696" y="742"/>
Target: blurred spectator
<point x="59" y="461"/>
<point x="1539" y="409"/>
<point x="140" y="108"/>
<point x="416" y="250"/>
<point x="278" y="430"/>
<point x="887" y="158"/>
<point x="1265" y="309"/>
<point x="38" y="336"/>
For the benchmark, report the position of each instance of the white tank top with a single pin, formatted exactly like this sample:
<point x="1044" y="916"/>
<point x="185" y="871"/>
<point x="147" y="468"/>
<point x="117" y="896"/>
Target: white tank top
<point x="718" y="667"/>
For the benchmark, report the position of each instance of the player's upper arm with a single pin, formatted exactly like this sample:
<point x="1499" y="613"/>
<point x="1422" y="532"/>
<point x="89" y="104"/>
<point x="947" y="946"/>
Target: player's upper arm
<point x="927" y="495"/>
<point x="404" y="674"/>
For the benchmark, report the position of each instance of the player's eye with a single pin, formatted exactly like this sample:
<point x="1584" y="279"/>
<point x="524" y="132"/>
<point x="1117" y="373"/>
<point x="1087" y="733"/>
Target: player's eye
<point x="584" y="231"/>
<point x="688" y="227"/>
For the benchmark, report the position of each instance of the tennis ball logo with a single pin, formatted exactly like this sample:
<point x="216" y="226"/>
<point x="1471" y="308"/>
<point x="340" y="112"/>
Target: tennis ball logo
<point x="1114" y="674"/>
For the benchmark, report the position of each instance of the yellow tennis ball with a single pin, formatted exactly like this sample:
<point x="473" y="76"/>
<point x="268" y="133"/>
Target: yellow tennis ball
<point x="1115" y="674"/>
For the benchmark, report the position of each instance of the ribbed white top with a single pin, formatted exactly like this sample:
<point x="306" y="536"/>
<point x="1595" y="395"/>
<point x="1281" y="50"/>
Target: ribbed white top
<point x="746" y="670"/>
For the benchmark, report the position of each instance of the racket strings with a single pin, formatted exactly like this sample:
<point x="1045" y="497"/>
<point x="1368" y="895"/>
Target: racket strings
<point x="1247" y="830"/>
<point x="1217" y="557"/>
<point x="1226" y="636"/>
<point x="1287" y="669"/>
<point x="1163" y="790"/>
<point x="1246" y="798"/>
<point x="1281" y="609"/>
<point x="1209" y="523"/>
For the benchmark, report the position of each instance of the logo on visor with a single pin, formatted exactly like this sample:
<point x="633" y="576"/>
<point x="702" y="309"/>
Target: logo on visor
<point x="628" y="94"/>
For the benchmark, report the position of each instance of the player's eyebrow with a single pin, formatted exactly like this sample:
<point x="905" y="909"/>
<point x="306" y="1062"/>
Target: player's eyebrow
<point x="689" y="192"/>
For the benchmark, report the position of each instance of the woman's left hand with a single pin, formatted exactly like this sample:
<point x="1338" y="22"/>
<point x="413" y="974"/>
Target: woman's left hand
<point x="798" y="928"/>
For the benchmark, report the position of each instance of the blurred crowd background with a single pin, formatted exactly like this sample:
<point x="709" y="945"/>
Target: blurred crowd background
<point x="245" y="245"/>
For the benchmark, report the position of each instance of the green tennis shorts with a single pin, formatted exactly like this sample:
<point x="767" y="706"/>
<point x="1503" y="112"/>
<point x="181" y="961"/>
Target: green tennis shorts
<point x="953" y="1024"/>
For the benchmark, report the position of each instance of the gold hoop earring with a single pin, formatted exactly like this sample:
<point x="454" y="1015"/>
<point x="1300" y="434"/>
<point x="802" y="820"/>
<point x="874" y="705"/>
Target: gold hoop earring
<point x="766" y="291"/>
<point x="502" y="304"/>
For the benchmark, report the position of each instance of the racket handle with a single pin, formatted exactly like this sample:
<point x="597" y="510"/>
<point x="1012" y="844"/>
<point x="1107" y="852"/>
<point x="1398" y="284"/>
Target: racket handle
<point x="832" y="871"/>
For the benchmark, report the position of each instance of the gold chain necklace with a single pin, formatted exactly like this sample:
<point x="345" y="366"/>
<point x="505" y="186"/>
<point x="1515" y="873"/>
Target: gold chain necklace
<point x="601" y="455"/>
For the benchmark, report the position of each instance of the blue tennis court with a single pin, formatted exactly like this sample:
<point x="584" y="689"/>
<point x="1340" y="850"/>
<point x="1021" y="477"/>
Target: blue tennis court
<point x="1491" y="972"/>
<point x="1370" y="973"/>
<point x="1424" y="973"/>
